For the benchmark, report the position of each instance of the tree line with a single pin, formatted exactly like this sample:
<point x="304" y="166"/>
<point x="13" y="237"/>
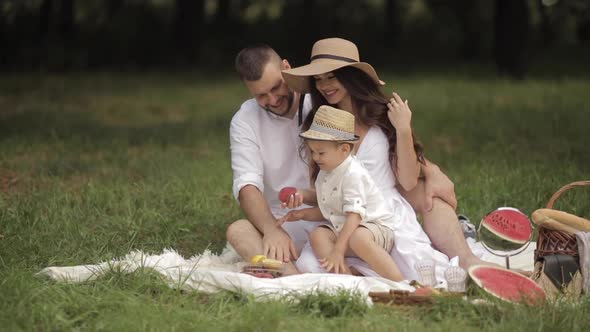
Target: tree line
<point x="74" y="34"/>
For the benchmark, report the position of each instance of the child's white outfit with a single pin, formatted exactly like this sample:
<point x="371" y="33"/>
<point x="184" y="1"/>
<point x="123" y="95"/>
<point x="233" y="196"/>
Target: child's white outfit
<point x="411" y="244"/>
<point x="350" y="188"/>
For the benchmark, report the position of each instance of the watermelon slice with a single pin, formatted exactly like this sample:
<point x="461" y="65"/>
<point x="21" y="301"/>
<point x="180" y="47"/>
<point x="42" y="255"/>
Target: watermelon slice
<point x="509" y="224"/>
<point x="507" y="285"/>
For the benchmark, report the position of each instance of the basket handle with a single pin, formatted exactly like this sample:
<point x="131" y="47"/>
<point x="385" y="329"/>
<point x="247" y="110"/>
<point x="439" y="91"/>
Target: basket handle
<point x="564" y="189"/>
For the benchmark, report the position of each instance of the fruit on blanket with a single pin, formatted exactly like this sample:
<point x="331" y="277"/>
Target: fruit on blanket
<point x="264" y="275"/>
<point x="257" y="259"/>
<point x="425" y="291"/>
<point x="509" y="224"/>
<point x="285" y="193"/>
<point x="261" y="274"/>
<point x="506" y="285"/>
<point x="271" y="263"/>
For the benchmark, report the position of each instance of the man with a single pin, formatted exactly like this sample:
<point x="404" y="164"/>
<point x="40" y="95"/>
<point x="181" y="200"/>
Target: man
<point x="265" y="152"/>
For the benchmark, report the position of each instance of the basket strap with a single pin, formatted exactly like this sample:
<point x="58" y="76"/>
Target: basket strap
<point x="564" y="189"/>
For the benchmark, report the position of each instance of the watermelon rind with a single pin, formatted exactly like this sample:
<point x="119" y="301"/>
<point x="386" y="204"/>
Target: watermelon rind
<point x="506" y="285"/>
<point x="503" y="235"/>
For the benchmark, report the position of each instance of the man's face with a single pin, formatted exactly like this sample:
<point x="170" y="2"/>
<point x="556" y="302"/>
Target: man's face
<point x="270" y="91"/>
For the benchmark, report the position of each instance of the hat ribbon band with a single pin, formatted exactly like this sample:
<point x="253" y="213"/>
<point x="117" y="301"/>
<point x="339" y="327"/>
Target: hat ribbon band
<point x="331" y="131"/>
<point x="332" y="57"/>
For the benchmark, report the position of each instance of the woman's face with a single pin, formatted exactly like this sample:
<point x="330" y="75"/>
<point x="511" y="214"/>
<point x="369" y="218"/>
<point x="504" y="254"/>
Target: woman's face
<point x="329" y="86"/>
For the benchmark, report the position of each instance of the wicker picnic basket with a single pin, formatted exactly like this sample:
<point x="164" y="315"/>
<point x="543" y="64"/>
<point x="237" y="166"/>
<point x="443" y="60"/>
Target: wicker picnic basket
<point x="553" y="242"/>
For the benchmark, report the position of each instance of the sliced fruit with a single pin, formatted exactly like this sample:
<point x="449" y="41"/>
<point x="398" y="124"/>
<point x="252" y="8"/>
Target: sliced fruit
<point x="271" y="263"/>
<point x="506" y="285"/>
<point x="509" y="224"/>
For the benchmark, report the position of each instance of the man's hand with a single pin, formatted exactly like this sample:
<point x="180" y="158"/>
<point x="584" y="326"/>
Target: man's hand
<point x="437" y="184"/>
<point x="277" y="244"/>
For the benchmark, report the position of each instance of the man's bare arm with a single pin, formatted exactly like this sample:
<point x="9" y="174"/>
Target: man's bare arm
<point x="276" y="243"/>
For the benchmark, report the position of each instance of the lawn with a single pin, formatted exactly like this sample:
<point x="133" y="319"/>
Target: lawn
<point x="95" y="165"/>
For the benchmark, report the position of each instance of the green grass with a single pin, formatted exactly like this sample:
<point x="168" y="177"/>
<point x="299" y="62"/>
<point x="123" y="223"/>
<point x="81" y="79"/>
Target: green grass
<point x="95" y="165"/>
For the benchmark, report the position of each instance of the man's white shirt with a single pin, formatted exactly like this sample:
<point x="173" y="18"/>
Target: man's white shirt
<point x="265" y="152"/>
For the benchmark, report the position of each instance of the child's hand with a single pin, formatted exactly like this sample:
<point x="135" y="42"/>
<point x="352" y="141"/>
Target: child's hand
<point x="399" y="113"/>
<point x="335" y="263"/>
<point x="294" y="215"/>
<point x="295" y="201"/>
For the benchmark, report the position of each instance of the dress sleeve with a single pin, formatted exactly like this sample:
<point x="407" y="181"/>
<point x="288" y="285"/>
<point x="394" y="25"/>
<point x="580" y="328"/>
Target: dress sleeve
<point x="375" y="158"/>
<point x="246" y="157"/>
<point x="353" y="195"/>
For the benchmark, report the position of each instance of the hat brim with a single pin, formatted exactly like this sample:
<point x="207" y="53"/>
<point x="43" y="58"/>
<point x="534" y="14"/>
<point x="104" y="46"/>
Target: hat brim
<point x="318" y="136"/>
<point x="298" y="78"/>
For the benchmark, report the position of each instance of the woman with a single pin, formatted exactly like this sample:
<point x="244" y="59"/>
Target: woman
<point x="336" y="77"/>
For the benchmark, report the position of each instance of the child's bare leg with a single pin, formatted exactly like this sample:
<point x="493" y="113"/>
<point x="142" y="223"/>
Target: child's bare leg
<point x="322" y="241"/>
<point x="363" y="245"/>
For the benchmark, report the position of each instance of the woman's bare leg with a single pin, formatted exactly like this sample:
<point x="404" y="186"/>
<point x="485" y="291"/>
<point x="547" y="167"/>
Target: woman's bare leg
<point x="442" y="226"/>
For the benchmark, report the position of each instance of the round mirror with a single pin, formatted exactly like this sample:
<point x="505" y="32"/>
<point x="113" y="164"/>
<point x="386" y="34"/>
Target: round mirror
<point x="505" y="232"/>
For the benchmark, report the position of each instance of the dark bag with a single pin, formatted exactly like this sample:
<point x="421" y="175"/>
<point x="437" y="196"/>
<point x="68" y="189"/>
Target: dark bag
<point x="559" y="276"/>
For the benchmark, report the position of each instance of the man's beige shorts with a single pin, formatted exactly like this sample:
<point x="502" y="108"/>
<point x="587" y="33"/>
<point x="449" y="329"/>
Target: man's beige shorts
<point x="382" y="235"/>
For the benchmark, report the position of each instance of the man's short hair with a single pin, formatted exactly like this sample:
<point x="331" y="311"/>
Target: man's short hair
<point x="250" y="62"/>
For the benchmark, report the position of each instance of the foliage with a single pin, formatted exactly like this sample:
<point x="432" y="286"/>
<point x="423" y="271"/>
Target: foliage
<point x="135" y="34"/>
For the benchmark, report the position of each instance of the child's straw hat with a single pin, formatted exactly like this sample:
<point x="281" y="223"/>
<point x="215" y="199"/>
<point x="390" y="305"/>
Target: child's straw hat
<point x="331" y="124"/>
<point x="328" y="55"/>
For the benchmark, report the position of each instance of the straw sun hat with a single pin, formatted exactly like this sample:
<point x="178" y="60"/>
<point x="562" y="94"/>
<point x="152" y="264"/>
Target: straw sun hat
<point x="331" y="124"/>
<point x="328" y="55"/>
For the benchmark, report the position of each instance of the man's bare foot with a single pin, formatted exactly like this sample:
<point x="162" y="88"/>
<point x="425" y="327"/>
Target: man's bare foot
<point x="473" y="260"/>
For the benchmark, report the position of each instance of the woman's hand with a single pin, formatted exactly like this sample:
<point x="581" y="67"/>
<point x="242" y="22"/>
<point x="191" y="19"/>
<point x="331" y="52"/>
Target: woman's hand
<point x="399" y="113"/>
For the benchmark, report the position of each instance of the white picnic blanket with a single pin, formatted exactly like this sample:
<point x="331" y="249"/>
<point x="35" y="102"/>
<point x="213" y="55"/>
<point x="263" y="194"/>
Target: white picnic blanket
<point x="524" y="261"/>
<point x="211" y="273"/>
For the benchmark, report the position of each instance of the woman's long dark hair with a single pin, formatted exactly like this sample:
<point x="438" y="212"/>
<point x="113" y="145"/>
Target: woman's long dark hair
<point x="370" y="105"/>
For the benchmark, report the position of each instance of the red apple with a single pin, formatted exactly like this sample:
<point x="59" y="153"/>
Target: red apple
<point x="285" y="193"/>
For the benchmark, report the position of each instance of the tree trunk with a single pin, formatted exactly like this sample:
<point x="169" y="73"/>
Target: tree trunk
<point x="309" y="32"/>
<point x="393" y="26"/>
<point x="468" y="17"/>
<point x="113" y="7"/>
<point x="66" y="21"/>
<point x="44" y="20"/>
<point x="188" y="21"/>
<point x="511" y="27"/>
<point x="548" y="35"/>
<point x="222" y="14"/>
<point x="3" y="55"/>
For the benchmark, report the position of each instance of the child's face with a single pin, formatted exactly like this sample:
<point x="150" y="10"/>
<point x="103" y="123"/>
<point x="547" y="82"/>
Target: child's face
<point x="328" y="155"/>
